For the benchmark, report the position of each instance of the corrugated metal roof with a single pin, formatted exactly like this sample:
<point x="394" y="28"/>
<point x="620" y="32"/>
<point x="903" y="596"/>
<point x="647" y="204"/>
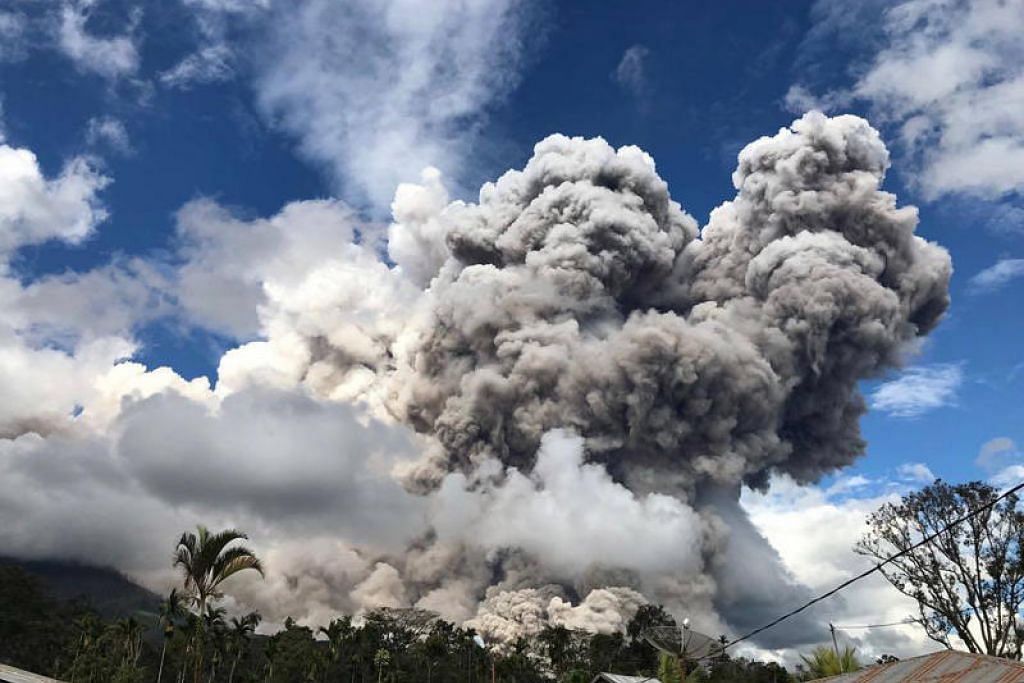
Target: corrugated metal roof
<point x="8" y="674"/>
<point x="619" y="678"/>
<point x="947" y="666"/>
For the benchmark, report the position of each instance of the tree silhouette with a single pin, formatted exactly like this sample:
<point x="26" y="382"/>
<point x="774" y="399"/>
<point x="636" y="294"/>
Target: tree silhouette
<point x="969" y="580"/>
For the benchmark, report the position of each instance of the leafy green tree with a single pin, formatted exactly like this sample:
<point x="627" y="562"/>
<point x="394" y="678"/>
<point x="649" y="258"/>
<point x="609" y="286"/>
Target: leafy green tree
<point x="724" y="669"/>
<point x="566" y="650"/>
<point x="824" y="662"/>
<point x="298" y="657"/>
<point x="337" y="632"/>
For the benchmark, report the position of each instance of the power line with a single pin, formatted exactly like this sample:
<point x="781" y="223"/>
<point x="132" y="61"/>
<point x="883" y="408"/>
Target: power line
<point x="872" y="570"/>
<point x="905" y="622"/>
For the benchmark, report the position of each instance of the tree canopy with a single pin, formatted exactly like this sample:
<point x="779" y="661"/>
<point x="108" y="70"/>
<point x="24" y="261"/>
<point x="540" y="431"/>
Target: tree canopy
<point x="969" y="581"/>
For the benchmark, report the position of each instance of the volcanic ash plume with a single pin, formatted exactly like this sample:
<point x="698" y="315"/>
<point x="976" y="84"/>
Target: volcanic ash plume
<point x="578" y="295"/>
<point x="593" y="378"/>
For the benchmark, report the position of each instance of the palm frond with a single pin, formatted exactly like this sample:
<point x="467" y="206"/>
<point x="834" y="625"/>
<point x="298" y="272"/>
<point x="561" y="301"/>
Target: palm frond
<point x="234" y="560"/>
<point x="214" y="544"/>
<point x="206" y="560"/>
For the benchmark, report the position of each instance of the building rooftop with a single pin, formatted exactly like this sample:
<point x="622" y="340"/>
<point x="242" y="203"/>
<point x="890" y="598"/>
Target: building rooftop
<point x="946" y="666"/>
<point x="8" y="674"/>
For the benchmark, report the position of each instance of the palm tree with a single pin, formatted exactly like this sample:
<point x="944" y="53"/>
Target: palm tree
<point x="214" y="628"/>
<point x="171" y="609"/>
<point x="381" y="659"/>
<point x="825" y="662"/>
<point x="241" y="631"/>
<point x="207" y="560"/>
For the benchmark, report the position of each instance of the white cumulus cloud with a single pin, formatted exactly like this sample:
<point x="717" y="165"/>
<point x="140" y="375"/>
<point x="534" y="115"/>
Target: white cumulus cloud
<point x="948" y="75"/>
<point x="34" y="209"/>
<point x="916" y="473"/>
<point x="814" y="533"/>
<point x="919" y="390"/>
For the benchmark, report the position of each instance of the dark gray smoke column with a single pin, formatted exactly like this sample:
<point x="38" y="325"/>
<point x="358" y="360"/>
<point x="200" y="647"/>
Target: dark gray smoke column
<point x="578" y="295"/>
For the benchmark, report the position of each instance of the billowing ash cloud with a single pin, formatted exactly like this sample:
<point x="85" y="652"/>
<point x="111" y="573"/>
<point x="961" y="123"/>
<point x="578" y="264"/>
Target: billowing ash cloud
<point x="571" y="380"/>
<point x="508" y="615"/>
<point x="577" y="298"/>
<point x="577" y="295"/>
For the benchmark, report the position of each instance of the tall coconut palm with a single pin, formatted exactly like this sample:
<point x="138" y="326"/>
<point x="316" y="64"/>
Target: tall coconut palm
<point x="171" y="609"/>
<point x="207" y="560"/>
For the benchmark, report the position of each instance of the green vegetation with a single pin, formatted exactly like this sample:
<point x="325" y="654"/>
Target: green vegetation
<point x="824" y="662"/>
<point x="188" y="638"/>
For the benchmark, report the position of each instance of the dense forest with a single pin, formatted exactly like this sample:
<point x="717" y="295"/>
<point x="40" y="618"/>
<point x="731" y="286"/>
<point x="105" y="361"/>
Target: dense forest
<point x="70" y="640"/>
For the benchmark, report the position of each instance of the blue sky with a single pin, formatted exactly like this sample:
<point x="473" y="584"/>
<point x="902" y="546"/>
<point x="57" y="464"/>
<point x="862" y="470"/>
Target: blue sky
<point x="710" y="77"/>
<point x="249" y="106"/>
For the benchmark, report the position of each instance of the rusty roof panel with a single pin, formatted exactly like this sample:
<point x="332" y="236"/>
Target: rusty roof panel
<point x="947" y="666"/>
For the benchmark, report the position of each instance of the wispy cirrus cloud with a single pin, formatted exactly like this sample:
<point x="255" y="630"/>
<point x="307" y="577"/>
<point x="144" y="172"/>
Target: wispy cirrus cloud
<point x="631" y="72"/>
<point x="13" y="27"/>
<point x="209" y="64"/>
<point x="997" y="276"/>
<point x="919" y="390"/>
